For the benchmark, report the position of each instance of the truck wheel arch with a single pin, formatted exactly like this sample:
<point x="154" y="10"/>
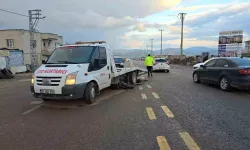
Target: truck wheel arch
<point x="96" y="83"/>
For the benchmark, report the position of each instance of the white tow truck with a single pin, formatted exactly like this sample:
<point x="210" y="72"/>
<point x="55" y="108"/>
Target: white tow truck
<point x="80" y="71"/>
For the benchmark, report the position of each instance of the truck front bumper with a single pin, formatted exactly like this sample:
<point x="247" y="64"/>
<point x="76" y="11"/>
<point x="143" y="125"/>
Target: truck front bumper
<point x="68" y="92"/>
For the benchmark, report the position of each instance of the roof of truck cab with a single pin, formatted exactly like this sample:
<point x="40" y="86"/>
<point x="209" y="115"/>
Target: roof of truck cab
<point x="104" y="45"/>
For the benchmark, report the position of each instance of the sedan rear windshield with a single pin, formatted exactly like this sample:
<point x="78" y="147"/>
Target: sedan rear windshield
<point x="71" y="55"/>
<point x="160" y="60"/>
<point x="242" y="61"/>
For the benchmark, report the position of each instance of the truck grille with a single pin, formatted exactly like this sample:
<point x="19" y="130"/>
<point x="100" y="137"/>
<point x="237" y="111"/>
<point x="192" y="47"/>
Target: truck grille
<point x="48" y="81"/>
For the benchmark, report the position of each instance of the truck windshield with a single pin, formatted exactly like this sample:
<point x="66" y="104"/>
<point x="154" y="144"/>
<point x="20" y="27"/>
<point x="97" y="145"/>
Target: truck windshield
<point x="71" y="55"/>
<point x="119" y="60"/>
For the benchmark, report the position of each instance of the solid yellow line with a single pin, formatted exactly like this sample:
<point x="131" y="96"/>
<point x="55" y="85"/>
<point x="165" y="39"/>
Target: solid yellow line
<point x="167" y="111"/>
<point x="162" y="142"/>
<point x="188" y="140"/>
<point x="151" y="113"/>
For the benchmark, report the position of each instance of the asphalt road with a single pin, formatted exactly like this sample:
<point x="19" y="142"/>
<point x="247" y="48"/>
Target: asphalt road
<point x="167" y="112"/>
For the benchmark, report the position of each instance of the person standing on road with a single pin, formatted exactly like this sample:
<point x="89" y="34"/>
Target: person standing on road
<point x="149" y="61"/>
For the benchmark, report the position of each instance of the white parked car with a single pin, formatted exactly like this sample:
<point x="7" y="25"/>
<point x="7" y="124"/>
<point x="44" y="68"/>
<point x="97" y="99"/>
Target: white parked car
<point x="161" y="64"/>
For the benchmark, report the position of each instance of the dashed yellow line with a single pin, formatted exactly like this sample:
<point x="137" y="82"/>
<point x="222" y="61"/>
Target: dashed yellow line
<point x="151" y="113"/>
<point x="162" y="142"/>
<point x="167" y="111"/>
<point x="144" y="96"/>
<point x="156" y="95"/>
<point x="188" y="140"/>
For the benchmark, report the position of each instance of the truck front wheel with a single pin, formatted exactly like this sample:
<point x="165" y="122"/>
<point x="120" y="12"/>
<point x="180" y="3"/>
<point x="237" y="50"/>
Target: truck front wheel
<point x="90" y="93"/>
<point x="133" y="78"/>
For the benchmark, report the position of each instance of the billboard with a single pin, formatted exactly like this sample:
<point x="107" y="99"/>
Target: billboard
<point x="230" y="43"/>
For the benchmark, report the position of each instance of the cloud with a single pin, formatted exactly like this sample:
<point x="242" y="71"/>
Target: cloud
<point x="90" y="19"/>
<point x="143" y="26"/>
<point x="216" y="13"/>
<point x="199" y="7"/>
<point x="177" y="29"/>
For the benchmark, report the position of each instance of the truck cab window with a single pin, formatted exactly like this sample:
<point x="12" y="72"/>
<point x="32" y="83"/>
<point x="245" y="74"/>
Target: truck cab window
<point x="99" y="59"/>
<point x="103" y="56"/>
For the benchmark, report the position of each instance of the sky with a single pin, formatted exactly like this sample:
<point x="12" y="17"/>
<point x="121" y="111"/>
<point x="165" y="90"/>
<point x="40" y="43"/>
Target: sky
<point x="130" y="24"/>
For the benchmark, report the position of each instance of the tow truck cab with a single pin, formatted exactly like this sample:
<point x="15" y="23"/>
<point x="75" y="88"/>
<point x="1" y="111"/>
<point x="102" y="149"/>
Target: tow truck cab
<point x="74" y="72"/>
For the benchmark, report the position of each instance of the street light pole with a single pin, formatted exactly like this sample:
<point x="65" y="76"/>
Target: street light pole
<point x="161" y="39"/>
<point x="152" y="46"/>
<point x="147" y="49"/>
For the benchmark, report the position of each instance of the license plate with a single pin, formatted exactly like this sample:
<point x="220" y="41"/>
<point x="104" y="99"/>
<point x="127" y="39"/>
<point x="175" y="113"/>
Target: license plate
<point x="47" y="91"/>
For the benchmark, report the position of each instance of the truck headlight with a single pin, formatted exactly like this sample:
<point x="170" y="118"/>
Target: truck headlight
<point x="32" y="79"/>
<point x="71" y="79"/>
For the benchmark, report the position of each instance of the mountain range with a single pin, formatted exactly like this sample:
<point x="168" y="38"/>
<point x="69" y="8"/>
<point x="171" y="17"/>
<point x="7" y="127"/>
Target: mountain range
<point x="192" y="51"/>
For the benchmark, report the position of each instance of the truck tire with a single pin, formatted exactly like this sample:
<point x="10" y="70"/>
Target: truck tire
<point x="90" y="93"/>
<point x="133" y="78"/>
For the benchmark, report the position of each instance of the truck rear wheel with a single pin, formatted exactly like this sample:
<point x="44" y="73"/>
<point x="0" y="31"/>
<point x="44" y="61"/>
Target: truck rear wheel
<point x="133" y="78"/>
<point x="90" y="93"/>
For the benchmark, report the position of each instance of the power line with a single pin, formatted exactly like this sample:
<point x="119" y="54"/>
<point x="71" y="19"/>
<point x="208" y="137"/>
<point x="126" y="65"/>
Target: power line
<point x="11" y="12"/>
<point x="59" y="23"/>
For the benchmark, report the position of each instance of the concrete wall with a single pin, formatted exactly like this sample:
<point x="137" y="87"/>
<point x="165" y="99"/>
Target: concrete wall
<point x="26" y="48"/>
<point x="12" y="34"/>
<point x="22" y="41"/>
<point x="247" y="46"/>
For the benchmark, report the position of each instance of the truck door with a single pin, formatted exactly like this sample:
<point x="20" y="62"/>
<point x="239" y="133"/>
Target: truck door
<point x="100" y="67"/>
<point x="105" y="71"/>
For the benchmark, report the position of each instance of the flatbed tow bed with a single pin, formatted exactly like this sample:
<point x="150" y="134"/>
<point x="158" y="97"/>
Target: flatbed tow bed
<point x="80" y="71"/>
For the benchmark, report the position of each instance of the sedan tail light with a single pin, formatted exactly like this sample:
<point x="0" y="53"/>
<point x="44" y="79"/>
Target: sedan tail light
<point x="244" y="71"/>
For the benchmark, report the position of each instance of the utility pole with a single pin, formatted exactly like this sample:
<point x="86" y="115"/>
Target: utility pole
<point x="152" y="46"/>
<point x="182" y="17"/>
<point x="147" y="49"/>
<point x="34" y="17"/>
<point x="161" y="39"/>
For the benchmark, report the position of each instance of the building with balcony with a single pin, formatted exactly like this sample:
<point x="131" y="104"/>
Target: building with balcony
<point x="44" y="43"/>
<point x="247" y="46"/>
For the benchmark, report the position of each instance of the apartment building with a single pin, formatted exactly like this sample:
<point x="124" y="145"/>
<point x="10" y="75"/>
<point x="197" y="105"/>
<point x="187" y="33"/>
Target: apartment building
<point x="44" y="43"/>
<point x="247" y="46"/>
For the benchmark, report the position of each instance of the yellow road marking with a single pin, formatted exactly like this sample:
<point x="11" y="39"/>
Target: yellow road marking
<point x="144" y="96"/>
<point x="191" y="144"/>
<point x="162" y="142"/>
<point x="140" y="87"/>
<point x="156" y="95"/>
<point x="167" y="111"/>
<point x="151" y="113"/>
<point x="150" y="87"/>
